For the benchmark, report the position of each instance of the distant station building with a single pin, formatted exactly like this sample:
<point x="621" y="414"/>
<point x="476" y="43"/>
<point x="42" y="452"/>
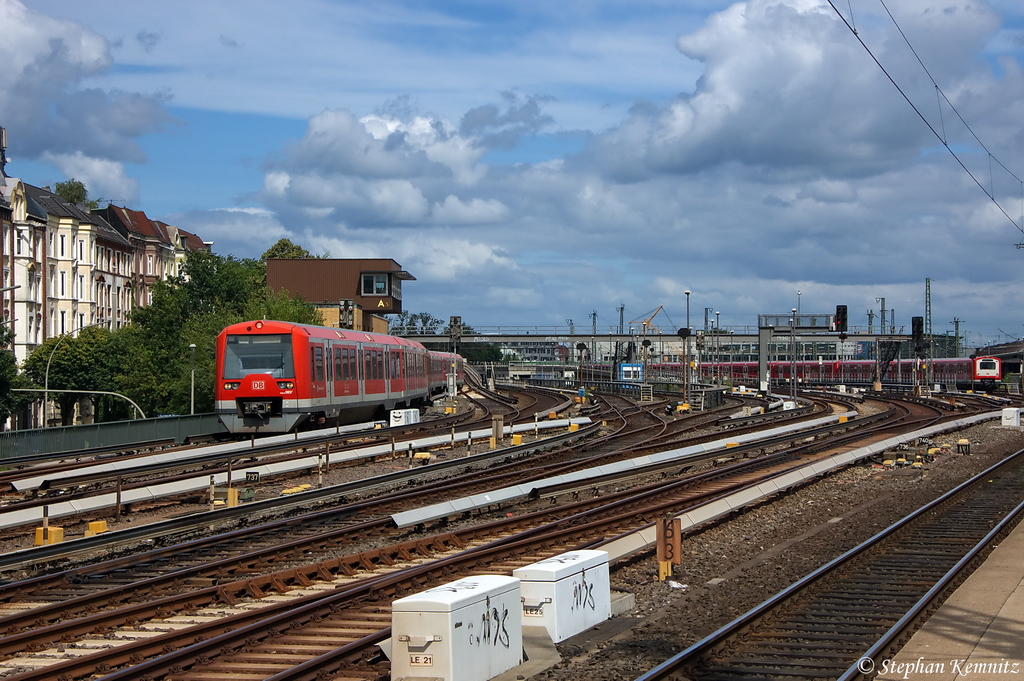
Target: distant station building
<point x="350" y="293"/>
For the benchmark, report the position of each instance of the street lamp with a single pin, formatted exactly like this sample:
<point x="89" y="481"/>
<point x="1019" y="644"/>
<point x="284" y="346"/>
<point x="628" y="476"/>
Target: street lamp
<point x="46" y="378"/>
<point x="718" y="346"/>
<point x="792" y="354"/>
<point x="686" y="349"/>
<point x="192" y="388"/>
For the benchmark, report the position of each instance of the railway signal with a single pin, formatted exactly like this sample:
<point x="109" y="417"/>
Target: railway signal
<point x="917" y="336"/>
<point x="841" y="321"/>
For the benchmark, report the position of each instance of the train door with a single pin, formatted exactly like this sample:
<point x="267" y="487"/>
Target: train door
<point x="329" y="371"/>
<point x="421" y="371"/>
<point x="318" y="377"/>
<point x="339" y="388"/>
<point x="373" y="371"/>
<point x="398" y="377"/>
<point x="359" y="375"/>
<point x="346" y="380"/>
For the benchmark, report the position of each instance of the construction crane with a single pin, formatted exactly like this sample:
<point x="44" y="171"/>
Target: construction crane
<point x="646" y="323"/>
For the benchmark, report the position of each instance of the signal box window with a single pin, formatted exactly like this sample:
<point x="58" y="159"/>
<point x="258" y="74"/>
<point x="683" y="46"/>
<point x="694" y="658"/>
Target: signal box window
<point x="375" y="285"/>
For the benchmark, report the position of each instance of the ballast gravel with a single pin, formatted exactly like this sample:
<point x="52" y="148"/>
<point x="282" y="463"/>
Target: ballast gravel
<point x="735" y="564"/>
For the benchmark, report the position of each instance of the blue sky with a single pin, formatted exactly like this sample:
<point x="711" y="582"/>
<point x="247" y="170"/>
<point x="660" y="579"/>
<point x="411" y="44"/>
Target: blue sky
<point x="531" y="162"/>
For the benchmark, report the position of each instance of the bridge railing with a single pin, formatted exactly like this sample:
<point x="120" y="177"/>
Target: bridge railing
<point x="37" y="441"/>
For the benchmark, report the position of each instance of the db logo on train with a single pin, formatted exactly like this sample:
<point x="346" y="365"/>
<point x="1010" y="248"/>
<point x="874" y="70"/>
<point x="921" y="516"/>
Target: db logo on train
<point x="259" y="385"/>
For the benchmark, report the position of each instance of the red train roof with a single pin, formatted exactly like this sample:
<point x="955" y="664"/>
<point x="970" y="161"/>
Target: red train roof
<point x="272" y="326"/>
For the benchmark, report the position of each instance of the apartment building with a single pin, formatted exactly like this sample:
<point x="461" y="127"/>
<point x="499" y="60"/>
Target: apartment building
<point x="66" y="268"/>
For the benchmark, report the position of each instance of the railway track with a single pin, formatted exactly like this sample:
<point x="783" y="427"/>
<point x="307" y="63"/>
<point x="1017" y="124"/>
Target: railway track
<point x="579" y="524"/>
<point x="864" y="604"/>
<point x="219" y="462"/>
<point x="503" y="545"/>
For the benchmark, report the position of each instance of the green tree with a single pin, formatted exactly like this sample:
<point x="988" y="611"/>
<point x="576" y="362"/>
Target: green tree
<point x="154" y="361"/>
<point x="480" y="352"/>
<point x="10" y="401"/>
<point x="414" y="324"/>
<point x="75" y="363"/>
<point x="74" y="192"/>
<point x="150" y="360"/>
<point x="284" y="248"/>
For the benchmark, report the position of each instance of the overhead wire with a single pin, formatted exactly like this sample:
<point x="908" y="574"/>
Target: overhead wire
<point x="941" y="137"/>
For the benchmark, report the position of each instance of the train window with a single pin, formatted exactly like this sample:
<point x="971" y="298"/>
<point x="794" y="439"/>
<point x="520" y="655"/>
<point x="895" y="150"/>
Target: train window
<point x="339" y="366"/>
<point x="330" y="365"/>
<point x="368" y="370"/>
<point x="380" y="364"/>
<point x="318" y="363"/>
<point x="352" y="368"/>
<point x="258" y="354"/>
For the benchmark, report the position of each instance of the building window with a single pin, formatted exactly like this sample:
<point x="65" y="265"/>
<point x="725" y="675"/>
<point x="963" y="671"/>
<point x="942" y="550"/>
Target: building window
<point x="81" y="249"/>
<point x="149" y="264"/>
<point x="63" y="281"/>
<point x="375" y="285"/>
<point x="62" y="245"/>
<point x="63" y="315"/>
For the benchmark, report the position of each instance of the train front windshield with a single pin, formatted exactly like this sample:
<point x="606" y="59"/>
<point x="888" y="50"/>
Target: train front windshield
<point x="987" y="365"/>
<point x="261" y="354"/>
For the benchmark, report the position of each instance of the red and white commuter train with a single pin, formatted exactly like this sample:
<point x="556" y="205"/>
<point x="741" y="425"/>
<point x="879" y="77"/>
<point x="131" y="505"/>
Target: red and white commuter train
<point x="275" y="376"/>
<point x="976" y="372"/>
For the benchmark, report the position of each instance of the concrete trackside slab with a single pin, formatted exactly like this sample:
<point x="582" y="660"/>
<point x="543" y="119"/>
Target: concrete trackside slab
<point x="978" y="633"/>
<point x="645" y="538"/>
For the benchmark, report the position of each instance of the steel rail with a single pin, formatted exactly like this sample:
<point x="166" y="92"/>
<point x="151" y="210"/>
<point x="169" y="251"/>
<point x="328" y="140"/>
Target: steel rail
<point x="583" y="522"/>
<point x="41" y="555"/>
<point x="671" y="668"/>
<point x="588" y="529"/>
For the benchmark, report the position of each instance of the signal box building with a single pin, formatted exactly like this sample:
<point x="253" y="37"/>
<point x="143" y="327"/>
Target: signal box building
<point x="349" y="292"/>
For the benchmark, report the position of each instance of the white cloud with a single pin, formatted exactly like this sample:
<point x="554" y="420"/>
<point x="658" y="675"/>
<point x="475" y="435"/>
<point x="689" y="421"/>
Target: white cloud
<point x="244" y="232"/>
<point x="41" y="103"/>
<point x="760" y="152"/>
<point x="516" y="298"/>
<point x="105" y="180"/>
<point x="455" y="211"/>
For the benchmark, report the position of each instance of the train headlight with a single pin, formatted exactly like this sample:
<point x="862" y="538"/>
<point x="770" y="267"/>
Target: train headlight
<point x="286" y="385"/>
<point x="232" y="385"/>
